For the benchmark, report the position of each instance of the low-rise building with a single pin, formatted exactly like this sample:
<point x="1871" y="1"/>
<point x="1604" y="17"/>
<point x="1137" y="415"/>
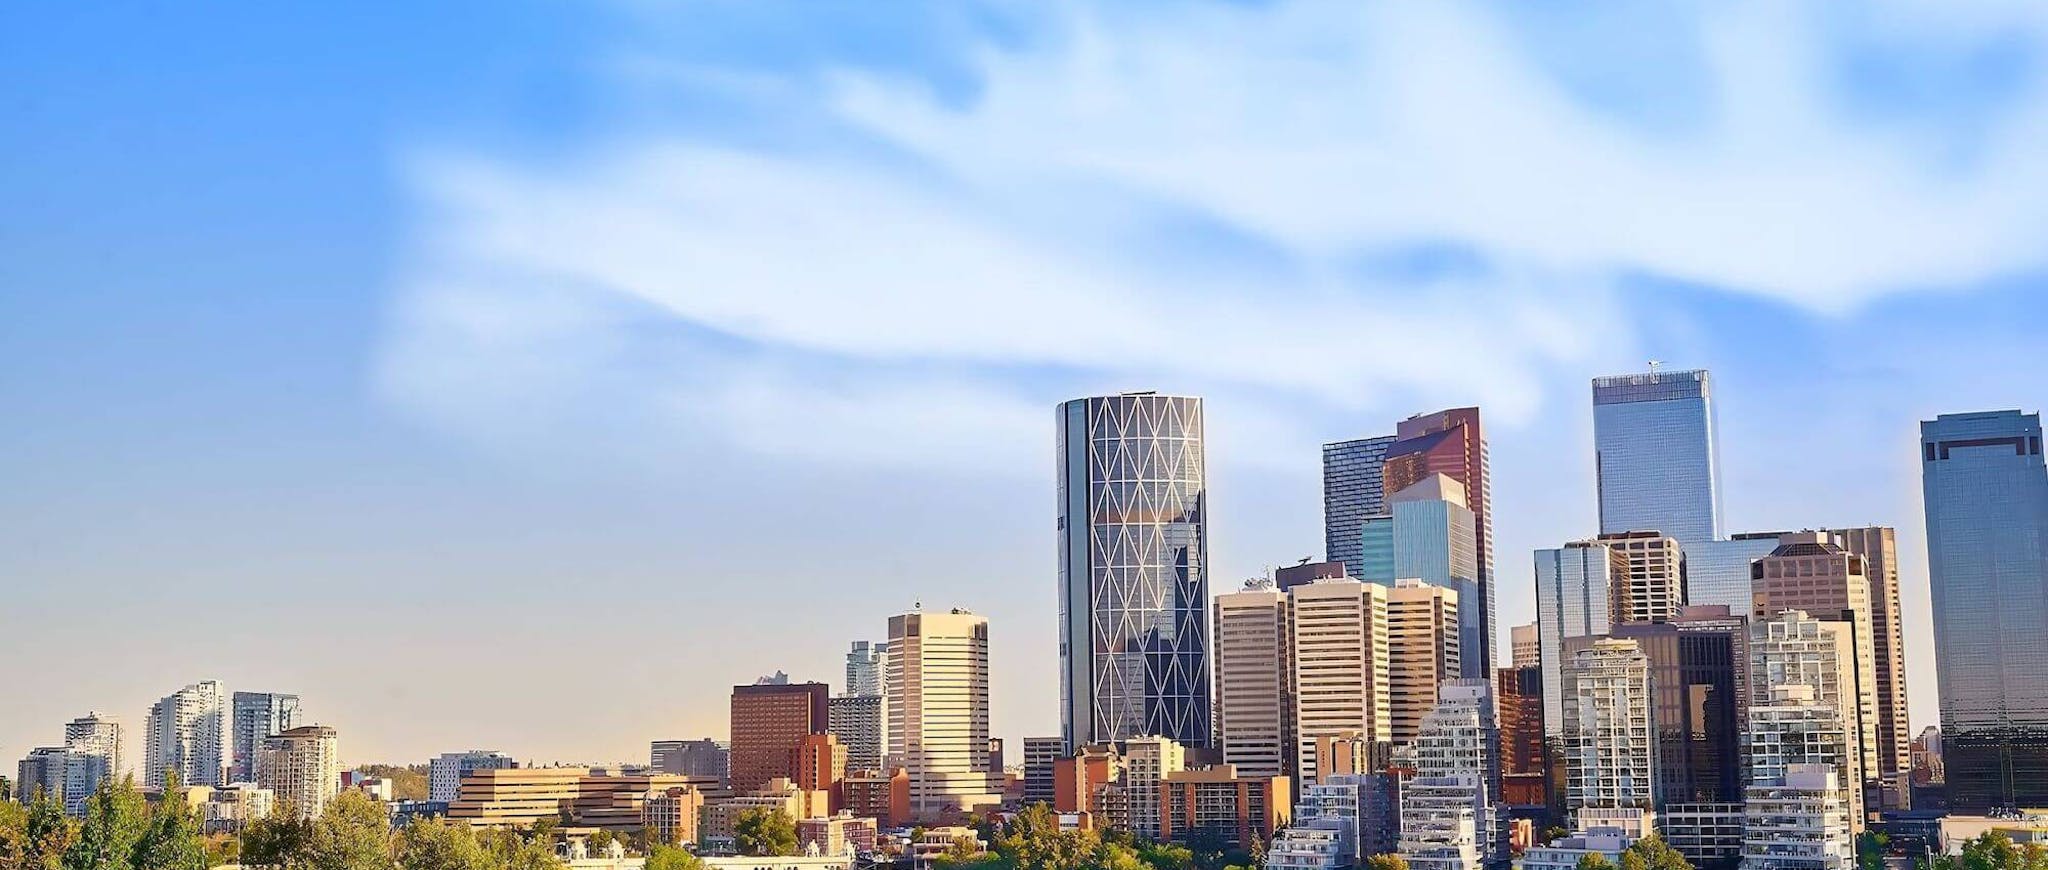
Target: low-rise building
<point x="1708" y="834"/>
<point x="519" y="797"/>
<point x="715" y="827"/>
<point x="230" y="808"/>
<point x="670" y="815"/>
<point x="1235" y="809"/>
<point x="842" y="834"/>
<point x="1567" y="852"/>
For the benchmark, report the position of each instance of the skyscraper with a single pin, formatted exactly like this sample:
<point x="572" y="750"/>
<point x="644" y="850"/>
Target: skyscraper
<point x="861" y="724"/>
<point x="94" y="744"/>
<point x="1610" y="757"/>
<point x="1799" y="810"/>
<point x="938" y="711"/>
<point x="1879" y="548"/>
<point x="1526" y="646"/>
<point x="1353" y="489"/>
<point x="1134" y="582"/>
<point x="258" y="715"/>
<point x="1655" y="457"/>
<point x="1340" y="666"/>
<point x="188" y="733"/>
<point x="1793" y="649"/>
<point x="1423" y="652"/>
<point x="1434" y="541"/>
<point x="1573" y="587"/>
<point x="769" y="724"/>
<point x="1254" y="679"/>
<point x="1808" y="572"/>
<point x="1452" y="443"/>
<point x="1692" y="705"/>
<point x="1986" y="494"/>
<point x="864" y="668"/>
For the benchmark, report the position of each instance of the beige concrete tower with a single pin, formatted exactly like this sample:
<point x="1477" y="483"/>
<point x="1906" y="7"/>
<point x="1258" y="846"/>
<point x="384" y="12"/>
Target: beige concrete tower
<point x="1254" y="680"/>
<point x="302" y="769"/>
<point x="1879" y="548"/>
<point x="1526" y="646"/>
<point x="1810" y="572"/>
<point x="1653" y="589"/>
<point x="1422" y="646"/>
<point x="1340" y="665"/>
<point x="937" y="689"/>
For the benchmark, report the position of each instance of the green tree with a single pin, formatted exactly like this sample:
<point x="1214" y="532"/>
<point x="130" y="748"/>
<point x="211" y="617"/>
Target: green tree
<point x="282" y="840"/>
<point x="599" y="843"/>
<point x="1167" y="856"/>
<point x="352" y="833"/>
<point x="764" y="832"/>
<point x="172" y="840"/>
<point x="116" y="818"/>
<point x="1553" y="834"/>
<point x="666" y="857"/>
<point x="2034" y="856"/>
<point x="408" y="783"/>
<point x="435" y="844"/>
<point x="512" y="851"/>
<point x="1594" y="861"/>
<point x="1389" y="861"/>
<point x="1652" y="853"/>
<point x="35" y="836"/>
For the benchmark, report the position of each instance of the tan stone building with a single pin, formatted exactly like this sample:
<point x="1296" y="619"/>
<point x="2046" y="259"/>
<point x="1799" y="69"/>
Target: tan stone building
<point x="1422" y="644"/>
<point x="1341" y="665"/>
<point x="1254" y="679"/>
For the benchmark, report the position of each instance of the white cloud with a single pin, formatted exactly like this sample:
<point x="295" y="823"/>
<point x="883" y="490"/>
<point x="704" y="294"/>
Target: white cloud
<point x="1012" y="240"/>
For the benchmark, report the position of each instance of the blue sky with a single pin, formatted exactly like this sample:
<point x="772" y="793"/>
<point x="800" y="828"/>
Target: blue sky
<point x="523" y="374"/>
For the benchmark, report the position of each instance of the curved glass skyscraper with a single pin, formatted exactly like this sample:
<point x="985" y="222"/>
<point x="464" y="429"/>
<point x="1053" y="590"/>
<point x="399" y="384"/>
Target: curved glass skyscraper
<point x="1987" y="556"/>
<point x="1134" y="580"/>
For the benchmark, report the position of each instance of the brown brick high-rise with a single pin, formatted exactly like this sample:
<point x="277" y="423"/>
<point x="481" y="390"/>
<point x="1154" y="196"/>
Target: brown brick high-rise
<point x="769" y="724"/>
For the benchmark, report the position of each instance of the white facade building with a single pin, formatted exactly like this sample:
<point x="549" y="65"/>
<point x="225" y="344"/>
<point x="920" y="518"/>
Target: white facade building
<point x="1146" y="763"/>
<point x="444" y="774"/>
<point x="188" y="733"/>
<point x="1566" y="853"/>
<point x="1798" y="821"/>
<point x="1610" y="743"/>
<point x="1450" y="811"/>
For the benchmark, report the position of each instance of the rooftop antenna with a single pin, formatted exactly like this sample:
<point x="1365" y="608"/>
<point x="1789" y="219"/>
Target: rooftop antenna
<point x="1304" y="560"/>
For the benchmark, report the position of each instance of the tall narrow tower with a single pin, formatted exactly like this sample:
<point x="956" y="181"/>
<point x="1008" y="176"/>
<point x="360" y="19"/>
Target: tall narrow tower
<point x="1134" y="580"/>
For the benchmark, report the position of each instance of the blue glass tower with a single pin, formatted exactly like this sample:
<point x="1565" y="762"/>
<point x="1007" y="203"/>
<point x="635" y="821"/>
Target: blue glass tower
<point x="1353" y="491"/>
<point x="1653" y="440"/>
<point x="1986" y="494"/>
<point x="1134" y="581"/>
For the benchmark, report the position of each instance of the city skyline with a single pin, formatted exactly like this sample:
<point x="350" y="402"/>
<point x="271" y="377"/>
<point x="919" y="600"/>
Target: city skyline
<point x="332" y="380"/>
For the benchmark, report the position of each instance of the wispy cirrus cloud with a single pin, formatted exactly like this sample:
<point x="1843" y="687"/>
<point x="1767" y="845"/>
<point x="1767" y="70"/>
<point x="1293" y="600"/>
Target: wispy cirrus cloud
<point x="1200" y="197"/>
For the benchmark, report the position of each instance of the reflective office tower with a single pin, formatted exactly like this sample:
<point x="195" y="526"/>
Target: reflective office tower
<point x="1452" y="443"/>
<point x="1433" y="541"/>
<point x="1609" y="755"/>
<point x="1808" y="572"/>
<point x="1518" y="698"/>
<point x="258" y="715"/>
<point x="1986" y="497"/>
<point x="1652" y="589"/>
<point x="1526" y="646"/>
<point x="1879" y="548"/>
<point x="1341" y="664"/>
<point x="445" y="773"/>
<point x="1717" y="572"/>
<point x="1254" y="677"/>
<point x="301" y="767"/>
<point x="188" y="732"/>
<point x="1573" y="583"/>
<point x="1653" y="442"/>
<point x="1793" y="649"/>
<point x="1692" y="705"/>
<point x="864" y="668"/>
<point x="1422" y="652"/>
<point x="1450" y="811"/>
<point x="1799" y="811"/>
<point x="1352" y="491"/>
<point x="938" y="711"/>
<point x="1134" y="582"/>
